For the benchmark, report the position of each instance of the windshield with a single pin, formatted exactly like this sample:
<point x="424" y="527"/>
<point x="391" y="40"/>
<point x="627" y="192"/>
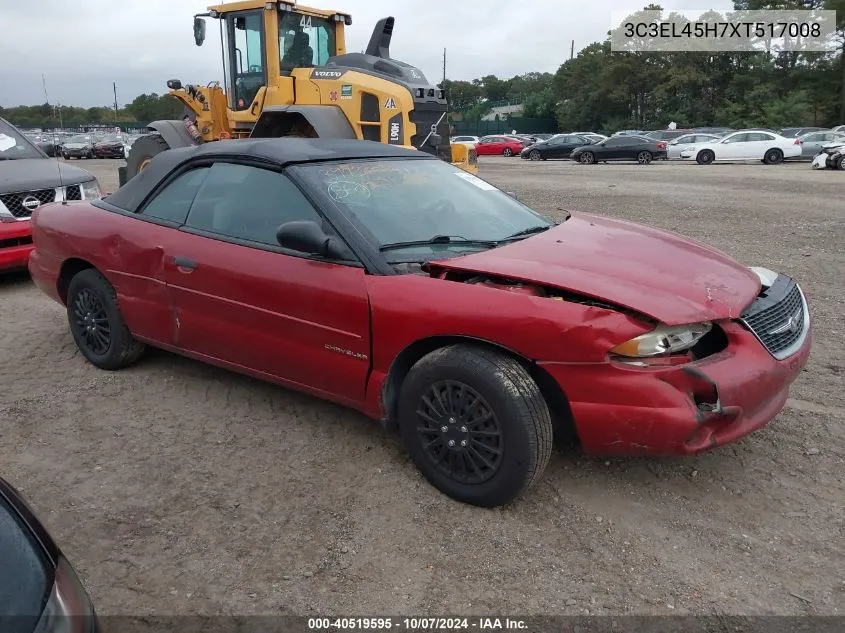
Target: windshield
<point x="13" y="144"/>
<point x="81" y="138"/>
<point x="395" y="202"/>
<point x="305" y="40"/>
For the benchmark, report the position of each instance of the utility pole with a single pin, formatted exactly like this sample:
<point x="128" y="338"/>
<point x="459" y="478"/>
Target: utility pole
<point x="114" y="88"/>
<point x="444" y="64"/>
<point x="572" y="50"/>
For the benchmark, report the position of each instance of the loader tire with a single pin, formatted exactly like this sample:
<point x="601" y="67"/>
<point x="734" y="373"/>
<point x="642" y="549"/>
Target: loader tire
<point x="142" y="151"/>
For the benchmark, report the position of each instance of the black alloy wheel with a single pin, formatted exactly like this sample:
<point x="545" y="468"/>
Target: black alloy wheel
<point x="459" y="432"/>
<point x="96" y="323"/>
<point x="91" y="322"/>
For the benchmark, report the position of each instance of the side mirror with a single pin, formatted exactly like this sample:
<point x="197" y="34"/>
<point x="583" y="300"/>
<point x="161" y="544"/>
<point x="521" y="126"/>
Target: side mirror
<point x="305" y="236"/>
<point x="199" y="30"/>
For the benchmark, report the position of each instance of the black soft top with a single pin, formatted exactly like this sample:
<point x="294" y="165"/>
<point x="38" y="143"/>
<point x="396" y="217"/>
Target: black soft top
<point x="278" y="151"/>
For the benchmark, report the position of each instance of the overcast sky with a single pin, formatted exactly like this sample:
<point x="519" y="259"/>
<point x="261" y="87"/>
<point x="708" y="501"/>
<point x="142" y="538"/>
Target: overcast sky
<point x="82" y="47"/>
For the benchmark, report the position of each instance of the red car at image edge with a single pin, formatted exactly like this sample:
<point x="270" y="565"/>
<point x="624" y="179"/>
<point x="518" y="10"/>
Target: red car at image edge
<point x="392" y="282"/>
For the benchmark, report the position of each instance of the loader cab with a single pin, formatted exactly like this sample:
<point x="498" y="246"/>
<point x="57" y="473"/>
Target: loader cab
<point x="263" y="41"/>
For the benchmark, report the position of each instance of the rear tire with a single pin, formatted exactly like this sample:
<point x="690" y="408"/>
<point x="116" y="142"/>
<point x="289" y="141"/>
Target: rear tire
<point x="773" y="157"/>
<point x="507" y="152"/>
<point x="644" y="158"/>
<point x="96" y="324"/>
<point x="142" y="151"/>
<point x="705" y="157"/>
<point x="498" y="437"/>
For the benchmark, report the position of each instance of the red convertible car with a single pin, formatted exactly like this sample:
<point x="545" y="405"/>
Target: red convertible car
<point x="394" y="283"/>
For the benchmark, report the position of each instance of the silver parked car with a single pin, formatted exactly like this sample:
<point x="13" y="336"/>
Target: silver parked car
<point x="812" y="142"/>
<point x="676" y="145"/>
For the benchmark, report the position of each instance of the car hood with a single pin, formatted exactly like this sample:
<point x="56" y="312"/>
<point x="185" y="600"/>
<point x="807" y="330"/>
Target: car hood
<point x="25" y="174"/>
<point x="663" y="275"/>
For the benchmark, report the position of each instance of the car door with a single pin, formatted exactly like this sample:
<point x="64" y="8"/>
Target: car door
<point x="568" y="144"/>
<point x="757" y="145"/>
<point x="811" y="144"/>
<point x="555" y="148"/>
<point x="616" y="148"/>
<point x="674" y="147"/>
<point x="485" y="146"/>
<point x="141" y="245"/>
<point x="732" y="147"/>
<point x="242" y="300"/>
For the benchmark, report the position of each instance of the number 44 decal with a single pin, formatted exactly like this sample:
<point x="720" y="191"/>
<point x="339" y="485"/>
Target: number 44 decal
<point x="305" y="22"/>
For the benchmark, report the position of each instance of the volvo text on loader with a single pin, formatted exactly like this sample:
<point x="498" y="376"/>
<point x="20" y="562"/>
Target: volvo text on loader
<point x="287" y="73"/>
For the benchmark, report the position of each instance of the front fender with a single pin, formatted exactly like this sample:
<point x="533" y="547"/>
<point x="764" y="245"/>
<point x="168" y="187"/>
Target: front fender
<point x="173" y="132"/>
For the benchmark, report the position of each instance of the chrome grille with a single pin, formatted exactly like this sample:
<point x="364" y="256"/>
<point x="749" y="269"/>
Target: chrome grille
<point x="74" y="192"/>
<point x="17" y="203"/>
<point x="778" y="318"/>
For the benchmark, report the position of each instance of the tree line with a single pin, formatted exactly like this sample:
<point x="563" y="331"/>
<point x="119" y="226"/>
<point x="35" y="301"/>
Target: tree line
<point x="144" y="108"/>
<point x="606" y="90"/>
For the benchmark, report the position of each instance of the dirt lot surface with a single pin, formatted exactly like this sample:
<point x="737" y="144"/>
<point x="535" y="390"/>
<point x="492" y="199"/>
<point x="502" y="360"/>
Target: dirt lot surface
<point x="178" y="488"/>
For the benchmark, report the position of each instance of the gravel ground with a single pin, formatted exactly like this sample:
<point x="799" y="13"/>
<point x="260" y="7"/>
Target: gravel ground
<point x="178" y="488"/>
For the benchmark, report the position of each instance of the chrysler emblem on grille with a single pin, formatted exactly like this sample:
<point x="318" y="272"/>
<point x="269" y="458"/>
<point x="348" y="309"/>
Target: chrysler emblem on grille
<point x="31" y="203"/>
<point x="792" y="324"/>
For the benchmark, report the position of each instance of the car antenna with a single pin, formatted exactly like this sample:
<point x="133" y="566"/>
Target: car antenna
<point x="58" y="164"/>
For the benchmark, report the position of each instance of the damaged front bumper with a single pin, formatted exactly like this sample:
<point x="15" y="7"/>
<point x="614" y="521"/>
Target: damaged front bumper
<point x="618" y="409"/>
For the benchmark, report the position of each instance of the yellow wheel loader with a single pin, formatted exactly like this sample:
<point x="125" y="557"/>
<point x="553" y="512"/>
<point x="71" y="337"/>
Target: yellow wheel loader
<point x="287" y="73"/>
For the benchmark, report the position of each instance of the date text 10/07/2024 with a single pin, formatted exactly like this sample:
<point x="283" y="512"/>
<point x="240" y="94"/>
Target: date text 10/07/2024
<point x="417" y="624"/>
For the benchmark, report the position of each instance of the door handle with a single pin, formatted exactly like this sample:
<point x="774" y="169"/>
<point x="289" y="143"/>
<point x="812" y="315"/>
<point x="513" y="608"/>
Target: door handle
<point x="184" y="262"/>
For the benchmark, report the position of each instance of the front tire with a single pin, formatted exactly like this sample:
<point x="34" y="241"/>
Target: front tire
<point x="705" y="157"/>
<point x="498" y="431"/>
<point x="587" y="158"/>
<point x="773" y="157"/>
<point x="96" y="324"/>
<point x="507" y="152"/>
<point x="535" y="155"/>
<point x="142" y="151"/>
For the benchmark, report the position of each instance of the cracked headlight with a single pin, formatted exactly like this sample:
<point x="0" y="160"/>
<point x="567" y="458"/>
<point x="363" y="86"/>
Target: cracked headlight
<point x="90" y="190"/>
<point x="663" y="340"/>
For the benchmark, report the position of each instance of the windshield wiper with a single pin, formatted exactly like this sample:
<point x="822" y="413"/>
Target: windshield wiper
<point x="439" y="239"/>
<point x="531" y="230"/>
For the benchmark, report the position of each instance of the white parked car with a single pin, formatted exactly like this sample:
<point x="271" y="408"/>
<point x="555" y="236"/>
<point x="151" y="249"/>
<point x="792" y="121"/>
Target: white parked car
<point x="677" y="145"/>
<point x="470" y="141"/>
<point x="768" y="147"/>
